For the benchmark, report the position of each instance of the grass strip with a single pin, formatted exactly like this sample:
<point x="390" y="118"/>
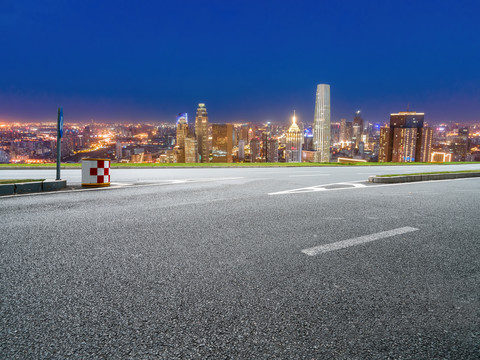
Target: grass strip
<point x="206" y="165"/>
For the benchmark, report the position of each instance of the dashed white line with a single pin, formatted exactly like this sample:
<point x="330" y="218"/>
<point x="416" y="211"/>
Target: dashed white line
<point x="357" y="241"/>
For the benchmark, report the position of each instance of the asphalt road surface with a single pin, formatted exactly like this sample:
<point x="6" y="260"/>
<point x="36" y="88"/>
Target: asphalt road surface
<point x="287" y="263"/>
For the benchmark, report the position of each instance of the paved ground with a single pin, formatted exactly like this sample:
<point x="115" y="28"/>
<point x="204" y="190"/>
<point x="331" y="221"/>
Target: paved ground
<point x="208" y="263"/>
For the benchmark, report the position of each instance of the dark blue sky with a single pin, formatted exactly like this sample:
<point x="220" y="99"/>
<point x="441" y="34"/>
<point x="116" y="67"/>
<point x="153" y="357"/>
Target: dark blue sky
<point x="247" y="60"/>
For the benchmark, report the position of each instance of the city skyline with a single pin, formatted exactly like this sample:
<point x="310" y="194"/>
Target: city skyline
<point x="378" y="58"/>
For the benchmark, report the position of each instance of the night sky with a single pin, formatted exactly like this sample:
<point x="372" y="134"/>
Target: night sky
<point x="246" y="60"/>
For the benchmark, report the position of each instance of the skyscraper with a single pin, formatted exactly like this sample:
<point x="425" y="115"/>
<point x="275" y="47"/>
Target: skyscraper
<point x="201" y="133"/>
<point x="321" y="124"/>
<point x="191" y="149"/>
<point x="272" y="150"/>
<point x="222" y="143"/>
<point x="385" y="149"/>
<point x="294" y="141"/>
<point x="254" y="150"/>
<point x="182" y="131"/>
<point x="357" y="129"/>
<point x="406" y="140"/>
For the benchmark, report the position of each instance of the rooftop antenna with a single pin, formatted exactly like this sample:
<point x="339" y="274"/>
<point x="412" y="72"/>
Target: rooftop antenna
<point x="294" y="117"/>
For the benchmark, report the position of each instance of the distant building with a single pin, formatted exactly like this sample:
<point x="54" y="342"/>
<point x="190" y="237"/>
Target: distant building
<point x="182" y="132"/>
<point x="272" y="150"/>
<point x="191" y="149"/>
<point x="321" y="124"/>
<point x="343" y="130"/>
<point x="241" y="149"/>
<point x="4" y="157"/>
<point x="406" y="140"/>
<point x="254" y="150"/>
<point x="118" y="150"/>
<point x="201" y="133"/>
<point x="294" y="141"/>
<point x="386" y="143"/>
<point x="404" y="144"/>
<point x="426" y="137"/>
<point x="308" y="138"/>
<point x="222" y="143"/>
<point x="441" y="157"/>
<point x="357" y="129"/>
<point x="460" y="144"/>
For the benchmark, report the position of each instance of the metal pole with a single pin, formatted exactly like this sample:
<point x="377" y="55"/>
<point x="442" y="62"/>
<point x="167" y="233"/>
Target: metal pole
<point x="59" y="144"/>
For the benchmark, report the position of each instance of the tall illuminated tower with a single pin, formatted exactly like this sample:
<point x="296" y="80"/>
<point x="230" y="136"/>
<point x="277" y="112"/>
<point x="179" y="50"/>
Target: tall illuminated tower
<point x="182" y="131"/>
<point x="294" y="141"/>
<point x="201" y="133"/>
<point x="321" y="124"/>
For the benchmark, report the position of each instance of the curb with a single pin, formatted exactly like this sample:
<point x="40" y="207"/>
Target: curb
<point x="32" y="187"/>
<point x="415" y="178"/>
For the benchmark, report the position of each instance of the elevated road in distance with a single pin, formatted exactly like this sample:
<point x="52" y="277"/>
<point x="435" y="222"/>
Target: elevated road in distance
<point x="237" y="263"/>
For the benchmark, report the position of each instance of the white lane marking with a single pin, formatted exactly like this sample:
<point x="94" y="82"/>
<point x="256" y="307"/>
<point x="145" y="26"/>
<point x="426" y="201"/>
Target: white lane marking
<point x="357" y="241"/>
<point x="318" y="187"/>
<point x="309" y="175"/>
<point x="122" y="186"/>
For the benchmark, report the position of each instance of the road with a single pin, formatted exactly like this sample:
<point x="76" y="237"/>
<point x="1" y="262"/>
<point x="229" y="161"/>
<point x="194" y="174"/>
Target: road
<point x="287" y="263"/>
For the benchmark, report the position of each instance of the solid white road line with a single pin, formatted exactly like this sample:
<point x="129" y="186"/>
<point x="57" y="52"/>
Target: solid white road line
<point x="317" y="188"/>
<point x="123" y="186"/>
<point x="322" y="187"/>
<point x="309" y="175"/>
<point x="357" y="241"/>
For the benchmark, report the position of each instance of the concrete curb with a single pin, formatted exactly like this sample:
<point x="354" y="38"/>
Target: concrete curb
<point x="32" y="187"/>
<point x="426" y="177"/>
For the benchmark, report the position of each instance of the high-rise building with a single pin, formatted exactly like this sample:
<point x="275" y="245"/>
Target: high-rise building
<point x="222" y="143"/>
<point x="118" y="150"/>
<point x="426" y="136"/>
<point x="407" y="140"/>
<point x="244" y="132"/>
<point x="357" y="128"/>
<point x="385" y="148"/>
<point x="404" y="144"/>
<point x="182" y="132"/>
<point x="294" y="141"/>
<point x="241" y="149"/>
<point x="272" y="150"/>
<point x="191" y="149"/>
<point x="460" y="144"/>
<point x="343" y="130"/>
<point x="254" y="150"/>
<point x="321" y="124"/>
<point x="201" y="133"/>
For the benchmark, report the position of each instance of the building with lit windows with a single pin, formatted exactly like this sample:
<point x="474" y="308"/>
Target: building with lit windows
<point x="441" y="157"/>
<point x="182" y="132"/>
<point x="357" y="129"/>
<point x="191" y="149"/>
<point x="272" y="150"/>
<point x="406" y="140"/>
<point x="222" y="143"/>
<point x="321" y="124"/>
<point x="254" y="150"/>
<point x="404" y="144"/>
<point x="294" y="141"/>
<point x="385" y="148"/>
<point x="201" y="133"/>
